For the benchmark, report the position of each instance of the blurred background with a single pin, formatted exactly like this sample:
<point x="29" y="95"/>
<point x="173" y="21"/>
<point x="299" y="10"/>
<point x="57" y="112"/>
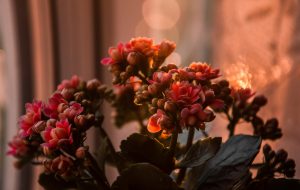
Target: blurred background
<point x="255" y="43"/>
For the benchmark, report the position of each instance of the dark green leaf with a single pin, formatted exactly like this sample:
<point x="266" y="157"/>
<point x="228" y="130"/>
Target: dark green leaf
<point x="50" y="182"/>
<point x="144" y="176"/>
<point x="228" y="166"/>
<point x="201" y="151"/>
<point x="141" y="148"/>
<point x="275" y="184"/>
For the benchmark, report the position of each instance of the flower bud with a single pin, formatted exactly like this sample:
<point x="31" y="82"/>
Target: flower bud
<point x="80" y="121"/>
<point x="166" y="48"/>
<point x="260" y="100"/>
<point x="67" y="93"/>
<point x="80" y="153"/>
<point x="152" y="89"/>
<point x="191" y="120"/>
<point x="78" y="96"/>
<point x="93" y="84"/>
<point x="39" y="127"/>
<point x="62" y="107"/>
<point x="170" y="107"/>
<point x="161" y="103"/>
<point x="134" y="58"/>
<point x="223" y="83"/>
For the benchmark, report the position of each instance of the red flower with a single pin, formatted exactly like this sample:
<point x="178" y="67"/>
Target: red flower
<point x="204" y="71"/>
<point x="32" y="116"/>
<point x="18" y="147"/>
<point x="51" y="109"/>
<point x="61" y="133"/>
<point x="117" y="54"/>
<point x="142" y="45"/>
<point x="161" y="77"/>
<point x="194" y="116"/>
<point x="70" y="112"/>
<point x="184" y="93"/>
<point x="72" y="83"/>
<point x="160" y="121"/>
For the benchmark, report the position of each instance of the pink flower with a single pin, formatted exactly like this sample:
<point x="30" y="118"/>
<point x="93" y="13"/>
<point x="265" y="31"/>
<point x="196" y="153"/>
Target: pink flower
<point x="204" y="71"/>
<point x="51" y="109"/>
<point x="194" y="116"/>
<point x="116" y="54"/>
<point x="184" y="93"/>
<point x="18" y="147"/>
<point x="32" y="116"/>
<point x="70" y="112"/>
<point x="61" y="133"/>
<point x="72" y="83"/>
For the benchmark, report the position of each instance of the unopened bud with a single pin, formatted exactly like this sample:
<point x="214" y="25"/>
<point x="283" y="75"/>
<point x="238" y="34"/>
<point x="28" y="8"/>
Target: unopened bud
<point x="67" y="93"/>
<point x="93" y="84"/>
<point x="62" y="107"/>
<point x="161" y="103"/>
<point x="166" y="48"/>
<point x="80" y="153"/>
<point x="170" y="107"/>
<point x="39" y="127"/>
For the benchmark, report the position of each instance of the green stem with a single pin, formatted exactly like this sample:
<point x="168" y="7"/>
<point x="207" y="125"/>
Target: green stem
<point x="173" y="142"/>
<point x="112" y="149"/>
<point x="231" y="126"/>
<point x="189" y="143"/>
<point x="97" y="173"/>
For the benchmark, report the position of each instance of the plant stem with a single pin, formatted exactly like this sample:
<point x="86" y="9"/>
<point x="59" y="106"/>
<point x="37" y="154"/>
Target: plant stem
<point x="142" y="78"/>
<point x="111" y="148"/>
<point x="173" y="142"/>
<point x="231" y="126"/>
<point x="97" y="173"/>
<point x="189" y="143"/>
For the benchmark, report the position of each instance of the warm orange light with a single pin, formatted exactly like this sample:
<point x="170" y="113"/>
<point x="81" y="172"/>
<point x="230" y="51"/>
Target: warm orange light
<point x="238" y="75"/>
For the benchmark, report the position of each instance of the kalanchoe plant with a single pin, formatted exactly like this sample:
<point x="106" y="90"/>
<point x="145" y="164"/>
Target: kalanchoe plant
<point x="171" y="100"/>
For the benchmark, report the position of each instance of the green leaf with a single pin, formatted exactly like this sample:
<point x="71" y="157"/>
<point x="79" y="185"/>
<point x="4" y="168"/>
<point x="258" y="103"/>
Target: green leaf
<point x="141" y="148"/>
<point x="201" y="151"/>
<point x="50" y="182"/>
<point x="144" y="176"/>
<point x="275" y="184"/>
<point x="228" y="166"/>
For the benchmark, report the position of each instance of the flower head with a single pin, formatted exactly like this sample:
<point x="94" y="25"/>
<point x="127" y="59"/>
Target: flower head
<point x="184" y="93"/>
<point x="203" y="71"/>
<point x="60" y="134"/>
<point x="160" y="121"/>
<point x="72" y="83"/>
<point x="18" y="147"/>
<point x="195" y="115"/>
<point x="51" y="109"/>
<point x="32" y="116"/>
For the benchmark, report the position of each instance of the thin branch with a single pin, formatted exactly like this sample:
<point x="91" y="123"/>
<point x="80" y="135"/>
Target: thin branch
<point x="189" y="143"/>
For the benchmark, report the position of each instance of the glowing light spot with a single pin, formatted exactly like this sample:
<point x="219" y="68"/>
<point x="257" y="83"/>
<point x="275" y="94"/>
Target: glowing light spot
<point x="161" y="15"/>
<point x="238" y="75"/>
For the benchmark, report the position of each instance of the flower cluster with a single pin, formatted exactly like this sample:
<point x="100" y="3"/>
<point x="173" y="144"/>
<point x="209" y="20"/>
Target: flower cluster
<point x="56" y="129"/>
<point x="240" y="105"/>
<point x="180" y="98"/>
<point x="138" y="57"/>
<point x="276" y="162"/>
